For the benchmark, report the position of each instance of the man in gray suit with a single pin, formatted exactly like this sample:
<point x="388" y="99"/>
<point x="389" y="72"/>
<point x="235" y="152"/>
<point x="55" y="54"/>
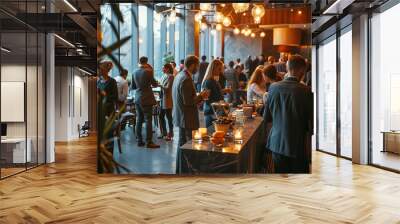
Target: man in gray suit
<point x="232" y="81"/>
<point x="185" y="109"/>
<point x="143" y="79"/>
<point x="289" y="107"/>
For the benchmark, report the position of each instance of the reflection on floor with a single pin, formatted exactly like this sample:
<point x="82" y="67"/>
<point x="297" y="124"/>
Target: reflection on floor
<point x="386" y="159"/>
<point x="141" y="160"/>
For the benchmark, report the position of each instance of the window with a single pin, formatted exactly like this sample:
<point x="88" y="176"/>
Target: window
<point x="327" y="96"/>
<point x="125" y="28"/>
<point x="143" y="31"/>
<point x="346" y="93"/>
<point x="385" y="88"/>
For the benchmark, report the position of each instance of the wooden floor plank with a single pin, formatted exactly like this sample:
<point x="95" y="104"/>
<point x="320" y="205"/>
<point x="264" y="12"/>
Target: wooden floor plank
<point x="70" y="191"/>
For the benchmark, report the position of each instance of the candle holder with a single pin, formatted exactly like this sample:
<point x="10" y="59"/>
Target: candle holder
<point x="197" y="138"/>
<point x="238" y="135"/>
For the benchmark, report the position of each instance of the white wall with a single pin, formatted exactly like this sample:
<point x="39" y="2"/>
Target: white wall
<point x="71" y="102"/>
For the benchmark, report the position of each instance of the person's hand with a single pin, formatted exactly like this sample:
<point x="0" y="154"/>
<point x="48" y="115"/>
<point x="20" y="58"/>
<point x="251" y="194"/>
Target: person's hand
<point x="205" y="94"/>
<point x="103" y="93"/>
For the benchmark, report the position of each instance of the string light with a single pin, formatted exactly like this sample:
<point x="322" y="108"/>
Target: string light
<point x="236" y="31"/>
<point x="253" y="35"/>
<point x="218" y="27"/>
<point x="262" y="34"/>
<point x="227" y="21"/>
<point x="219" y="17"/>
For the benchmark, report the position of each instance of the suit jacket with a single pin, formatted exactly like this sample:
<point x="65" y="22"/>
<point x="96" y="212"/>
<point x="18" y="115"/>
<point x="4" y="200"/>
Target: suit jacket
<point x="185" y="112"/>
<point x="289" y="107"/>
<point x="198" y="78"/>
<point x="143" y="81"/>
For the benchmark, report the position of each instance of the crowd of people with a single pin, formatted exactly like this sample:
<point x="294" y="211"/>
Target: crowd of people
<point x="281" y="86"/>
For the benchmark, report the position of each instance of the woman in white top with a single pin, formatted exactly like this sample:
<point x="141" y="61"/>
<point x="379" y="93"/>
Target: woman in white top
<point x="256" y="86"/>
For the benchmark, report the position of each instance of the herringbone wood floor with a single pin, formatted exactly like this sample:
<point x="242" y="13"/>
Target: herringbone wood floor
<point x="70" y="191"/>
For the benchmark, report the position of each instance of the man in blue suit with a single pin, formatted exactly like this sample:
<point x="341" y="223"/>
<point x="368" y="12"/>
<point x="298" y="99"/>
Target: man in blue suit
<point x="289" y="107"/>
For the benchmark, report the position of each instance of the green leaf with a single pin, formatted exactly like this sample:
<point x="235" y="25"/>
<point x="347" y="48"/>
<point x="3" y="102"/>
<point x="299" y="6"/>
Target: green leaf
<point x="114" y="28"/>
<point x="112" y="47"/>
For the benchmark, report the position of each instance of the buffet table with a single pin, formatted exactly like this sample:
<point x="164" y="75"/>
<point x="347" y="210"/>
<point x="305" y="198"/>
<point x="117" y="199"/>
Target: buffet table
<point x="204" y="157"/>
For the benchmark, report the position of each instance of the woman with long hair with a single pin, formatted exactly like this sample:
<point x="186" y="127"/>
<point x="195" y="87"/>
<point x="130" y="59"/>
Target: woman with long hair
<point x="166" y="102"/>
<point x="256" y="85"/>
<point x="211" y="83"/>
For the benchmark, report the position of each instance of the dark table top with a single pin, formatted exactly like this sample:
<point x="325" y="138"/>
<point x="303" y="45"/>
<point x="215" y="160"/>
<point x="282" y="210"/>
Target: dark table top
<point x="249" y="128"/>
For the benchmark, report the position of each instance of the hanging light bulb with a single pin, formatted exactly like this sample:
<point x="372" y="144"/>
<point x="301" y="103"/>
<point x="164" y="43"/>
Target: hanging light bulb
<point x="257" y="20"/>
<point x="236" y="31"/>
<point x="205" y="6"/>
<point x="240" y="7"/>
<point x="223" y="5"/>
<point x="203" y="26"/>
<point x="247" y="33"/>
<point x="262" y="34"/>
<point x="257" y="12"/>
<point x="243" y="31"/>
<point x="172" y="16"/>
<point x="227" y="21"/>
<point x="198" y="17"/>
<point x="218" y="27"/>
<point x="253" y="35"/>
<point x="219" y="17"/>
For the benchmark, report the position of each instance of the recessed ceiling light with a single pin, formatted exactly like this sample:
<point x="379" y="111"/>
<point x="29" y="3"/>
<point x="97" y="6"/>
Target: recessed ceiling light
<point x="70" y="5"/>
<point x="5" y="49"/>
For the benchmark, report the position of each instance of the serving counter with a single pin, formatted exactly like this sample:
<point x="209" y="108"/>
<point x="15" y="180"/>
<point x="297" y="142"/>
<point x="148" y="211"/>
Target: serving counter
<point x="231" y="157"/>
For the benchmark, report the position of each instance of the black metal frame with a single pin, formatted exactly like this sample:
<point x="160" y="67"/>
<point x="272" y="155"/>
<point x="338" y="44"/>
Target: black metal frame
<point x="37" y="164"/>
<point x="338" y="33"/>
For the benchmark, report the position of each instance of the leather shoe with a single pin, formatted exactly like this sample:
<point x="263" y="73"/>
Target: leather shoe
<point x="140" y="144"/>
<point x="152" y="145"/>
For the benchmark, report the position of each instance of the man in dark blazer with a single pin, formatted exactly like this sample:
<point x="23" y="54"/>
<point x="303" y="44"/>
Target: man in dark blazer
<point x="185" y="109"/>
<point x="143" y="79"/>
<point x="289" y="107"/>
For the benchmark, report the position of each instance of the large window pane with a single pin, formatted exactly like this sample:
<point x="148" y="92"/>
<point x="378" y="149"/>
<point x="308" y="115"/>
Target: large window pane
<point x="346" y="94"/>
<point x="126" y="30"/>
<point x="385" y="84"/>
<point x="157" y="43"/>
<point x="327" y="96"/>
<point x="143" y="37"/>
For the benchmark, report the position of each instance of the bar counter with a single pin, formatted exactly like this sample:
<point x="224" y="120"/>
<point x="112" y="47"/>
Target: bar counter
<point x="204" y="157"/>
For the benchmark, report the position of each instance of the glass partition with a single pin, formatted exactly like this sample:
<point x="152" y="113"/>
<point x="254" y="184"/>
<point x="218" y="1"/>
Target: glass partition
<point x="22" y="78"/>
